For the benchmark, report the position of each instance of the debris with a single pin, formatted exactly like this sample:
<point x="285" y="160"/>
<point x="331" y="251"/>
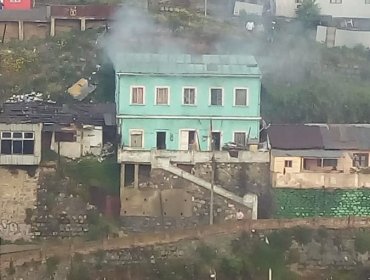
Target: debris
<point x="81" y="89"/>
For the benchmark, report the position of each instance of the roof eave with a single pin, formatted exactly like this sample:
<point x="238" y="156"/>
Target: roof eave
<point x="259" y="75"/>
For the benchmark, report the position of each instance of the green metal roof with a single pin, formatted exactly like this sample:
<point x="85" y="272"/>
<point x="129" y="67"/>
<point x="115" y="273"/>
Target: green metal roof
<point x="186" y="64"/>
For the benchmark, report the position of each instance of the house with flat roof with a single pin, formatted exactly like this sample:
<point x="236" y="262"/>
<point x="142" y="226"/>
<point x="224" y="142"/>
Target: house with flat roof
<point x="319" y="155"/>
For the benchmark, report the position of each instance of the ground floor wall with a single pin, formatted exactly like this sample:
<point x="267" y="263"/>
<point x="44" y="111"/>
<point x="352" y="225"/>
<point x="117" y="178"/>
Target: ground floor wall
<point x="178" y="134"/>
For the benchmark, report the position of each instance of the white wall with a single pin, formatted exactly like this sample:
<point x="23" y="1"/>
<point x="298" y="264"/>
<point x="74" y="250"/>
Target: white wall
<point x="348" y="38"/>
<point x="23" y="159"/>
<point x="89" y="140"/>
<point x="248" y="8"/>
<point x="348" y="8"/>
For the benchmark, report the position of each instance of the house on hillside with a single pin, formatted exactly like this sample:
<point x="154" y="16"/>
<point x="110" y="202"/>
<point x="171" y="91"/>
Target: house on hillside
<point x="350" y="9"/>
<point x="27" y="129"/>
<point x="176" y="113"/>
<point x="319" y="155"/>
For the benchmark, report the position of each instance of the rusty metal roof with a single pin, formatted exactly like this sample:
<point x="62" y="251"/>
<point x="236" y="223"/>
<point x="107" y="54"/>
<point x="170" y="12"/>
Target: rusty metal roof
<point x="186" y="64"/>
<point x="100" y="12"/>
<point x="57" y="114"/>
<point x="320" y="136"/>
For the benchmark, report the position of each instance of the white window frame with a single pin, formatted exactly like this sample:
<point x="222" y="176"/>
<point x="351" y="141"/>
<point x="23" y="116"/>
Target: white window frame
<point x="168" y="97"/>
<point x="336" y="1"/>
<point x="22" y="138"/>
<point x="131" y="94"/>
<point x="132" y="131"/>
<point x="247" y="97"/>
<point x="222" y="95"/>
<point x="245" y="137"/>
<point x="195" y="96"/>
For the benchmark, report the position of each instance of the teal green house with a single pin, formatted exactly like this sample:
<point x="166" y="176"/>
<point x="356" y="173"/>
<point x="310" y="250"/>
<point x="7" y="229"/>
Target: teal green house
<point x="187" y="102"/>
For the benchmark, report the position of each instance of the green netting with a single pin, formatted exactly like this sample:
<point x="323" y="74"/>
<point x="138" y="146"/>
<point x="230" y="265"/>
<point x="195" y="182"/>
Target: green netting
<point x="293" y="203"/>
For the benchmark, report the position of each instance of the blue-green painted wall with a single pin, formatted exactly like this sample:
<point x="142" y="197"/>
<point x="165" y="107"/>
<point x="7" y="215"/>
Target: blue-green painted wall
<point x="202" y="109"/>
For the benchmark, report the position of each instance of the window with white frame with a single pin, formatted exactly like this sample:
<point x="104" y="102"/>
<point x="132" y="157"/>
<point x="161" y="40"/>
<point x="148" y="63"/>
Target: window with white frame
<point x="241" y="97"/>
<point x="137" y="95"/>
<point x="162" y="96"/>
<point x="216" y="96"/>
<point x="335" y="1"/>
<point x="17" y="143"/>
<point x="240" y="138"/>
<point x="189" y="96"/>
<point x="15" y="1"/>
<point x="136" y="139"/>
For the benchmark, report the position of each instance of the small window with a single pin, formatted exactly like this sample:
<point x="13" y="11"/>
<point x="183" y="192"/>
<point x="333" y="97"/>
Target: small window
<point x="136" y="139"/>
<point x="216" y="96"/>
<point x="241" y="97"/>
<point x="28" y="147"/>
<point x="137" y="95"/>
<point x="17" y="135"/>
<point x="6" y="147"/>
<point x="360" y="160"/>
<point x="28" y="135"/>
<point x="6" y="135"/>
<point x="162" y="96"/>
<point x="288" y="163"/>
<point x="17" y="146"/>
<point x="329" y="162"/>
<point x="335" y="1"/>
<point x="239" y="138"/>
<point x="189" y="96"/>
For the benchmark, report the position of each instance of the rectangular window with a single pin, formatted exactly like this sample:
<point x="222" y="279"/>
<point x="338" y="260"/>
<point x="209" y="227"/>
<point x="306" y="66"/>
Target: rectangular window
<point x="136" y="139"/>
<point x="65" y="136"/>
<point x="216" y="96"/>
<point x="360" y="160"/>
<point x="137" y="95"/>
<point x="288" y="163"/>
<point x="15" y="1"/>
<point x="335" y="1"/>
<point x="17" y="143"/>
<point x="241" y="97"/>
<point x="239" y="138"/>
<point x="189" y="96"/>
<point x="329" y="162"/>
<point x="162" y="97"/>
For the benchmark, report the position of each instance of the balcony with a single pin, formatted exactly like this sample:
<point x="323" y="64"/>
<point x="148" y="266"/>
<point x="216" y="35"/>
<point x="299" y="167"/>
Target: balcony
<point x="190" y="157"/>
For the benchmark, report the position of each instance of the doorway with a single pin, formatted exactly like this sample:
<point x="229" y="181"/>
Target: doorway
<point x="188" y="140"/>
<point x="216" y="141"/>
<point x="161" y="140"/>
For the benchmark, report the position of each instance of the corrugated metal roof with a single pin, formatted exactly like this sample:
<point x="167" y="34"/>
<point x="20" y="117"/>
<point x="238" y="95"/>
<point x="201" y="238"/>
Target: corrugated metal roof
<point x="307" y="153"/>
<point x="186" y="64"/>
<point x="320" y="136"/>
<point x="295" y="137"/>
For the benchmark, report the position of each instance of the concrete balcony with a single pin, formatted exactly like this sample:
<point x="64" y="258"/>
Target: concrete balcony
<point x="190" y="157"/>
<point x="318" y="180"/>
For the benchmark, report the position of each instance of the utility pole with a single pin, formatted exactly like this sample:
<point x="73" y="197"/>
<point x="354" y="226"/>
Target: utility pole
<point x="213" y="167"/>
<point x="205" y="8"/>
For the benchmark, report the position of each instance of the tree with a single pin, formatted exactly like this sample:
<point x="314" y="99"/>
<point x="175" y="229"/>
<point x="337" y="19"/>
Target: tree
<point x="308" y="12"/>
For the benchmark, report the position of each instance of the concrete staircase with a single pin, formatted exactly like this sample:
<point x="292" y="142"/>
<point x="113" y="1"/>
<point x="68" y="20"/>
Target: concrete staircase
<point x="249" y="200"/>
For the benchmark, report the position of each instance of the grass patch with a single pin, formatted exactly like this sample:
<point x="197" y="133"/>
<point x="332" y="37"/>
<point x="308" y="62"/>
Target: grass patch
<point x="362" y="242"/>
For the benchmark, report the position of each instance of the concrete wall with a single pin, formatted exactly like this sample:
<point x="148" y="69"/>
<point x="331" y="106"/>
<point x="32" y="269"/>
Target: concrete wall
<point x="318" y="180"/>
<point x="18" y="191"/>
<point x="15" y="159"/>
<point x="248" y="8"/>
<point x="190" y="157"/>
<point x="348" y="38"/>
<point x="347" y="9"/>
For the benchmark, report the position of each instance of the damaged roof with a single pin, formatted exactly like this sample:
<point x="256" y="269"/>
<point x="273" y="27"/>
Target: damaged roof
<point x="54" y="115"/>
<point x="320" y="136"/>
<point x="186" y="64"/>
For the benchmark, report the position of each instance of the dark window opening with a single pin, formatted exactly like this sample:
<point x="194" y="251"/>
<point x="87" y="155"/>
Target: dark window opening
<point x="28" y="147"/>
<point x="17" y="134"/>
<point x="6" y="147"/>
<point x="216" y="141"/>
<point x="240" y="138"/>
<point x="17" y="147"/>
<point x="161" y="140"/>
<point x="65" y="136"/>
<point x="288" y="163"/>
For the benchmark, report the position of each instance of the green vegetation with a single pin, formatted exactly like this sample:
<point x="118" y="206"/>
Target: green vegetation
<point x="308" y="12"/>
<point x="51" y="266"/>
<point x="362" y="242"/>
<point x="79" y="270"/>
<point x="291" y="203"/>
<point x="88" y="171"/>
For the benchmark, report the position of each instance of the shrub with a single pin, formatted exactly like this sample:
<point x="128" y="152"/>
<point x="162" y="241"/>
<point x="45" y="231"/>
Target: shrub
<point x="362" y="242"/>
<point x="51" y="265"/>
